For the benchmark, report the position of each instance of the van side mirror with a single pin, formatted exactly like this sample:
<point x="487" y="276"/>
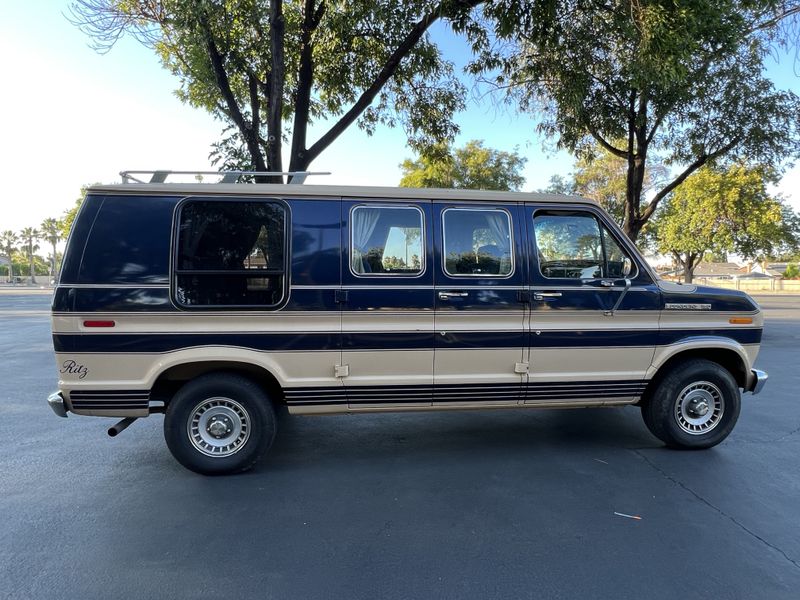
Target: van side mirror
<point x="627" y="266"/>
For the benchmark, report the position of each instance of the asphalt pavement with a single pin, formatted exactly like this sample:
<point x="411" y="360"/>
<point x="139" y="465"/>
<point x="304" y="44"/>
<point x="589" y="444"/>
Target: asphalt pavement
<point x="505" y="504"/>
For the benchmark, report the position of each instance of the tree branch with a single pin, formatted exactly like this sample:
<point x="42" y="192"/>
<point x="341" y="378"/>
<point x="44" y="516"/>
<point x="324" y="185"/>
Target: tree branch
<point x="276" y="77"/>
<point x="387" y="71"/>
<point x="305" y="81"/>
<point x="233" y="109"/>
<point x="605" y="144"/>
<point x="698" y="162"/>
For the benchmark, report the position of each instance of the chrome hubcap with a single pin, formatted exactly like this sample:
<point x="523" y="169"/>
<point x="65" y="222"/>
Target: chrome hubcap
<point x="218" y="427"/>
<point x="699" y="407"/>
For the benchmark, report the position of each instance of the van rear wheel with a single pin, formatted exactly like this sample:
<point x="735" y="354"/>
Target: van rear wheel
<point x="219" y="423"/>
<point x="694" y="406"/>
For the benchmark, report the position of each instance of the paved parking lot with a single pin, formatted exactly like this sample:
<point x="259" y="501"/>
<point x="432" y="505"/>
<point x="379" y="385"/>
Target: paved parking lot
<point x="516" y="504"/>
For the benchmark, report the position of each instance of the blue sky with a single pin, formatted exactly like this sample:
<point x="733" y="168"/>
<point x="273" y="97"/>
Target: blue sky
<point x="69" y="116"/>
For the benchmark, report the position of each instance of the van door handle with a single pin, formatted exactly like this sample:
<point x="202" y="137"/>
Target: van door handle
<point x="448" y="295"/>
<point x="543" y="295"/>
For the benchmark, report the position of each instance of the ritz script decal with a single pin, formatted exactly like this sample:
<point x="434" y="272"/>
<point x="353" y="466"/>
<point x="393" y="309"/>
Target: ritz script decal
<point x="73" y="368"/>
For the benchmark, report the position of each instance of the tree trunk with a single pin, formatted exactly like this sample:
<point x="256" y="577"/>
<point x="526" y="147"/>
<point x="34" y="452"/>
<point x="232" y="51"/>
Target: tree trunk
<point x="305" y="78"/>
<point x="30" y="254"/>
<point x="630" y="225"/>
<point x="689" y="266"/>
<point x="53" y="267"/>
<point x="276" y="82"/>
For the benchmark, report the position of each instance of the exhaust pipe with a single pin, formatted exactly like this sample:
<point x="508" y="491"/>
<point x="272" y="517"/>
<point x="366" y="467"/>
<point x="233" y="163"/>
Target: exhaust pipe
<point x="115" y="430"/>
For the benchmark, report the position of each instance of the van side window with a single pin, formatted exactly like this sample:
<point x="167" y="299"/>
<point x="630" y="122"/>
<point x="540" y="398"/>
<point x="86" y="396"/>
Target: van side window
<point x="477" y="242"/>
<point x="574" y="245"/>
<point x="128" y="242"/>
<point x="230" y="253"/>
<point x="386" y="240"/>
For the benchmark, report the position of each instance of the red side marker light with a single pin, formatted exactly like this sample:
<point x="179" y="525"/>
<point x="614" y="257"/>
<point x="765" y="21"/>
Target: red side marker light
<point x="98" y="323"/>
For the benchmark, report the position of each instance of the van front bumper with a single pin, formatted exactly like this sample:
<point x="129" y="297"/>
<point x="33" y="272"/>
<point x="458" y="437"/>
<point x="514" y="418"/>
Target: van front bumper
<point x="758" y="380"/>
<point x="56" y="402"/>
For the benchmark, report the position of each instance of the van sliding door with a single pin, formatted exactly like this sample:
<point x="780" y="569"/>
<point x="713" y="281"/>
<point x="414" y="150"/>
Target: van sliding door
<point x="480" y="305"/>
<point x="387" y="304"/>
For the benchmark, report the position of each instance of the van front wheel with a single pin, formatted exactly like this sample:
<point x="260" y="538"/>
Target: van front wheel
<point x="219" y="423"/>
<point x="693" y="406"/>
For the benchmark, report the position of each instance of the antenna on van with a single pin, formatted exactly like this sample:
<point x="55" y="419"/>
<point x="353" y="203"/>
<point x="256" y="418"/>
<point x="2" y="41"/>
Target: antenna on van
<point x="161" y="175"/>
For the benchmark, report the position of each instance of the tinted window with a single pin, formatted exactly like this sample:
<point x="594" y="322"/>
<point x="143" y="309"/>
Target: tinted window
<point x="129" y="241"/>
<point x="575" y="246"/>
<point x="477" y="243"/>
<point x="386" y="241"/>
<point x="230" y="253"/>
<point x="78" y="236"/>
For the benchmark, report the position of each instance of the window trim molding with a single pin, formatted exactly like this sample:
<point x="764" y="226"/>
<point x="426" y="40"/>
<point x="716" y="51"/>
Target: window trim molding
<point x="395" y="206"/>
<point x="511" y="240"/>
<point x="175" y="248"/>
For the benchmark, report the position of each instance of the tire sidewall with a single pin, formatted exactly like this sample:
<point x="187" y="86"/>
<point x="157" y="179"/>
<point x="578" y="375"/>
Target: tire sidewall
<point x="244" y="391"/>
<point x="661" y="418"/>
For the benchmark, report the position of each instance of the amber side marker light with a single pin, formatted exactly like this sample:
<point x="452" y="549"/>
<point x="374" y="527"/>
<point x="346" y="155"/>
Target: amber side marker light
<point x="99" y="323"/>
<point x="741" y="321"/>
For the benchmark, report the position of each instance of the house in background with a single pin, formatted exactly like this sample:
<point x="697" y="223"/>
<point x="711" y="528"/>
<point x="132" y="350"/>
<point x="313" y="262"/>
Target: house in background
<point x="773" y="269"/>
<point x="710" y="272"/>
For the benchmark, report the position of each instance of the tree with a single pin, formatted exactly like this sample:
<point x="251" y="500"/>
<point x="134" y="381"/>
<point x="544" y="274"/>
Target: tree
<point x="269" y="69"/>
<point x="29" y="236"/>
<point x="718" y="210"/>
<point x="792" y="272"/>
<point x="603" y="177"/>
<point x="683" y="78"/>
<point x="558" y="184"/>
<point x="8" y="243"/>
<point x="69" y="215"/>
<point x="472" y="166"/>
<point x="51" y="231"/>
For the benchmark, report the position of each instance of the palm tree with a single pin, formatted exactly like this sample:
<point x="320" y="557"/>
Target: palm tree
<point x="30" y="235"/>
<point x="51" y="231"/>
<point x="8" y="243"/>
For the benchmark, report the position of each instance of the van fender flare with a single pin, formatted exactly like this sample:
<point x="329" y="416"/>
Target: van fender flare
<point x="665" y="354"/>
<point x="217" y="354"/>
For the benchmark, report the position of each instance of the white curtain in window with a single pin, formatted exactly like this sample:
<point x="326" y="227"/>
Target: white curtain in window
<point x="498" y="225"/>
<point x="364" y="221"/>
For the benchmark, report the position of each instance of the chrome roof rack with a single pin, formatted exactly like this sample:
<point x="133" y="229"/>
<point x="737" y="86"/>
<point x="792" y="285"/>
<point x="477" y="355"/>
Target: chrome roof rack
<point x="160" y="175"/>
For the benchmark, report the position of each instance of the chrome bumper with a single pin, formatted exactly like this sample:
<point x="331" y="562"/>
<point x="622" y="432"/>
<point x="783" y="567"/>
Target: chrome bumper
<point x="56" y="402"/>
<point x="759" y="379"/>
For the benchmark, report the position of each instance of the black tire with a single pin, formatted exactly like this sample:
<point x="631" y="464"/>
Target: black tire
<point x="239" y="404"/>
<point x="678" y="398"/>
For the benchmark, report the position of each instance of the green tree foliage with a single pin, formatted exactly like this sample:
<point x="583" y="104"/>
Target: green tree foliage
<point x="681" y="78"/>
<point x="51" y="232"/>
<point x="792" y="272"/>
<point x="29" y="236"/>
<point x="269" y="69"/>
<point x="603" y="178"/>
<point x="8" y="245"/>
<point x="718" y="210"/>
<point x="472" y="166"/>
<point x="558" y="184"/>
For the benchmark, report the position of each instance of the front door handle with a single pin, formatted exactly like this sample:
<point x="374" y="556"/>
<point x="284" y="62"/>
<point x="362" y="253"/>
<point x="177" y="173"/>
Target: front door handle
<point x="544" y="295"/>
<point x="449" y="295"/>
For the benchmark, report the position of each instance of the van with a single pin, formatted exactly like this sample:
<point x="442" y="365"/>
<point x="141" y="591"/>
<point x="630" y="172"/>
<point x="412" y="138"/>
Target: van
<point x="218" y="303"/>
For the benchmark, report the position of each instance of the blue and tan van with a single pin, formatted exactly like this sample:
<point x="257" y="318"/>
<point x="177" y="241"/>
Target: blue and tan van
<point x="215" y="304"/>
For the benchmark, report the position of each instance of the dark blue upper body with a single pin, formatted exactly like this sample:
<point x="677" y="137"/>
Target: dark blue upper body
<point x="119" y="258"/>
